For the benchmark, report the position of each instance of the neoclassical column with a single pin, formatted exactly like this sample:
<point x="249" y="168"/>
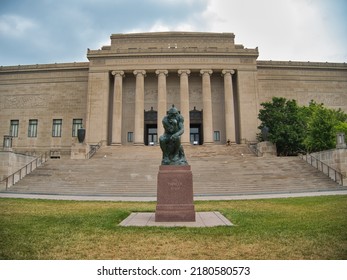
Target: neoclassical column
<point x="139" y="107"/>
<point x="162" y="104"/>
<point x="184" y="104"/>
<point x="229" y="106"/>
<point x="117" y="108"/>
<point x="207" y="106"/>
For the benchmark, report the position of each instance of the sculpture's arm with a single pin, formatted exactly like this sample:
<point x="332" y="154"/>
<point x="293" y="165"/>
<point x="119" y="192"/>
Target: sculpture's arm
<point x="180" y="127"/>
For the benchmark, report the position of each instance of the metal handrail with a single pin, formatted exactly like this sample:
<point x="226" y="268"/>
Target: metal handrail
<point x="332" y="173"/>
<point x="255" y="150"/>
<point x="25" y="170"/>
<point x="93" y="150"/>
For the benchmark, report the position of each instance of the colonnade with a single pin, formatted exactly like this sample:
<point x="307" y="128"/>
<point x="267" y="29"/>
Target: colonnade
<point x="162" y="105"/>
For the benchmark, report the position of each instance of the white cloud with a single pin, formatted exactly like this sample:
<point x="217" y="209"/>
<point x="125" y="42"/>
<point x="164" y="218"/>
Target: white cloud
<point x="160" y="26"/>
<point x="283" y="30"/>
<point x="14" y="25"/>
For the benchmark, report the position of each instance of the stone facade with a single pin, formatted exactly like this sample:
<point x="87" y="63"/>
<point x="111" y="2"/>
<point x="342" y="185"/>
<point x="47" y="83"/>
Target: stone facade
<point x="42" y="93"/>
<point x="124" y="91"/>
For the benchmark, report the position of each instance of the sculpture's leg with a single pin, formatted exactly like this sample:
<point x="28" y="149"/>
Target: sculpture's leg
<point x="176" y="151"/>
<point x="165" y="149"/>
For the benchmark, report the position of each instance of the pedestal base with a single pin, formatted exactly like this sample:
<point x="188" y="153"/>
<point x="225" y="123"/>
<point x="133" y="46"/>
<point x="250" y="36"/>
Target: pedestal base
<point x="175" y="194"/>
<point x="79" y="150"/>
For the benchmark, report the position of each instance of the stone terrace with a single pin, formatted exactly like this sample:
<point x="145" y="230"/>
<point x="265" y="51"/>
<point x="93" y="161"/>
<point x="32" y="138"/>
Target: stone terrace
<point x="132" y="171"/>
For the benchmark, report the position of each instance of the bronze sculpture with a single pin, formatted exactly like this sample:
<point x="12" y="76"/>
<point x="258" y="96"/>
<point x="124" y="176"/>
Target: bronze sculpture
<point x="170" y="141"/>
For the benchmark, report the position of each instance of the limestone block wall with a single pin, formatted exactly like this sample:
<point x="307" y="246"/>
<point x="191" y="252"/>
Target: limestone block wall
<point x="11" y="162"/>
<point x="42" y="93"/>
<point x="217" y="91"/>
<point x="98" y="107"/>
<point x="304" y="81"/>
<point x="248" y="104"/>
<point x="128" y="116"/>
<point x="336" y="158"/>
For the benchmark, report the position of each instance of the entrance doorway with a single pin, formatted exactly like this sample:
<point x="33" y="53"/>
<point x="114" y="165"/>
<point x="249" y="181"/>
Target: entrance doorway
<point x="195" y="134"/>
<point x="151" y="135"/>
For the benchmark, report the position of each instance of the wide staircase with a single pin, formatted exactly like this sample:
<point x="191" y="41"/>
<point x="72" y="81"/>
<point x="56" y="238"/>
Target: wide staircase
<point x="132" y="171"/>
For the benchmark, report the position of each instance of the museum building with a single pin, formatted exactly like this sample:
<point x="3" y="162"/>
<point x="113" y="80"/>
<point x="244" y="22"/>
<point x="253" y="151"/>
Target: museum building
<point x="121" y="95"/>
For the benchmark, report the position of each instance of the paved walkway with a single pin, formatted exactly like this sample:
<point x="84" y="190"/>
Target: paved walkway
<point x="203" y="219"/>
<point x="153" y="198"/>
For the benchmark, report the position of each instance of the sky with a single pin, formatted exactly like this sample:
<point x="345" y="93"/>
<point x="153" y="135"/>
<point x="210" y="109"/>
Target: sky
<point x="52" y="31"/>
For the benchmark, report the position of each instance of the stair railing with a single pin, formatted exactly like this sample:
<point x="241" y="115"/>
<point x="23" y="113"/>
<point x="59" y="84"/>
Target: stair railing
<point x="93" y="150"/>
<point x="255" y="150"/>
<point x="25" y="170"/>
<point x="332" y="173"/>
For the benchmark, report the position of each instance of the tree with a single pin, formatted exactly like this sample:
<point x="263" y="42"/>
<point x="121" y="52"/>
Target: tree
<point x="322" y="125"/>
<point x="285" y="121"/>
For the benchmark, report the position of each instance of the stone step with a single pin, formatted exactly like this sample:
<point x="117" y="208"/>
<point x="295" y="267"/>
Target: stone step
<point x="217" y="170"/>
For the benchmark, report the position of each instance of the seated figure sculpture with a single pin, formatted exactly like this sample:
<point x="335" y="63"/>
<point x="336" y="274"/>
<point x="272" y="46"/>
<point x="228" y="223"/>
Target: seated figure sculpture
<point x="170" y="141"/>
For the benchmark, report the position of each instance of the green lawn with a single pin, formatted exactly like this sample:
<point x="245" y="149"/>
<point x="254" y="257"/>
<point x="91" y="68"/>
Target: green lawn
<point x="293" y="228"/>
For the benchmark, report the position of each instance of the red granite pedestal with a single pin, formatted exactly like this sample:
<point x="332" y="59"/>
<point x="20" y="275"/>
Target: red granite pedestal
<point x="175" y="194"/>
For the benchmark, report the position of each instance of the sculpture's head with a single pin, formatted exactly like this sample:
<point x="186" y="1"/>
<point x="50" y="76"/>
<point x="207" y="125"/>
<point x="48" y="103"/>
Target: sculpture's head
<point x="173" y="112"/>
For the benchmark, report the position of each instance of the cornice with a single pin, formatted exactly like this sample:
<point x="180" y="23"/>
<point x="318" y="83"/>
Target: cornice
<point x="46" y="67"/>
<point x="102" y="54"/>
<point x="170" y="34"/>
<point x="269" y="64"/>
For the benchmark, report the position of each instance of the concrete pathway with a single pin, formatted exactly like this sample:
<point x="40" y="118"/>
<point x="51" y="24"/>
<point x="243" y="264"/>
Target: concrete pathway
<point x="153" y="198"/>
<point x="203" y="219"/>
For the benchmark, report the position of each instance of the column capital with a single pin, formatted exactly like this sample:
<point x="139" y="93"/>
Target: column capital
<point x="206" y="71"/>
<point x="139" y="72"/>
<point x="118" y="73"/>
<point x="165" y="72"/>
<point x="231" y="72"/>
<point x="185" y="71"/>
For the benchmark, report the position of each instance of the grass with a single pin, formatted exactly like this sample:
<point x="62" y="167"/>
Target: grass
<point x="293" y="228"/>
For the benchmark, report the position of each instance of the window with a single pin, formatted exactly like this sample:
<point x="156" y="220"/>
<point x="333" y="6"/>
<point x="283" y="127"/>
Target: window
<point x="56" y="129"/>
<point x="216" y="136"/>
<point x="130" y="136"/>
<point x="14" y="128"/>
<point x="32" y="128"/>
<point x="76" y="125"/>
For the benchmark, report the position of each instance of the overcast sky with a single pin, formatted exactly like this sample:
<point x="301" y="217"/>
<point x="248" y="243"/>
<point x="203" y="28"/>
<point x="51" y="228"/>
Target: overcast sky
<point x="49" y="31"/>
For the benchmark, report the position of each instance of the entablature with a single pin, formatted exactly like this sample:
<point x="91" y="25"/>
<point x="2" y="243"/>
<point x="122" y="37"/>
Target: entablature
<point x="173" y="63"/>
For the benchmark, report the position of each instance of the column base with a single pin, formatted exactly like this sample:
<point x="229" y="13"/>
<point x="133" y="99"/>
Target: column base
<point x="116" y="144"/>
<point x="79" y="150"/>
<point x="186" y="144"/>
<point x="139" y="144"/>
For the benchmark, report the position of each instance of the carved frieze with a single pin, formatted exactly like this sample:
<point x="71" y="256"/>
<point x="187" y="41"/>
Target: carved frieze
<point x="172" y="62"/>
<point x="24" y="101"/>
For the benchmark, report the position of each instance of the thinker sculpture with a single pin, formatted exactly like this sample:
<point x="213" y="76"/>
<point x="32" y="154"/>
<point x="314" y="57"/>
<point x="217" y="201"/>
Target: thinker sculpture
<point x="170" y="141"/>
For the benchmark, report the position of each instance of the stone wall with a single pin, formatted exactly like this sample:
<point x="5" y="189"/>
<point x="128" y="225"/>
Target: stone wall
<point x="336" y="158"/>
<point x="11" y="162"/>
<point x="43" y="93"/>
<point x="304" y="81"/>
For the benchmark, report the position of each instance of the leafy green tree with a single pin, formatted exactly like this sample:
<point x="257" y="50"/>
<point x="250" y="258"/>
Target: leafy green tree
<point x="341" y="127"/>
<point x="322" y="125"/>
<point x="286" y="123"/>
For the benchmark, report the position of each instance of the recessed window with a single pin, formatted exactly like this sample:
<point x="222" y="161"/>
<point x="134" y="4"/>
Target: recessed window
<point x="216" y="136"/>
<point x="32" y="128"/>
<point x="14" y="126"/>
<point x="56" y="128"/>
<point x="130" y="136"/>
<point x="76" y="125"/>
